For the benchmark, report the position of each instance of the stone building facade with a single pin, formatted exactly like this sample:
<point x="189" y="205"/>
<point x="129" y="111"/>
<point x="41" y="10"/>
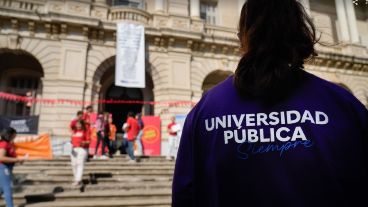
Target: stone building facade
<point x="66" y="49"/>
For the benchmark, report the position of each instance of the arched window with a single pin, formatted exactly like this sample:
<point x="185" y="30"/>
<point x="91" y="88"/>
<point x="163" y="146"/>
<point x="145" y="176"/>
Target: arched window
<point x="20" y="74"/>
<point x="214" y="78"/>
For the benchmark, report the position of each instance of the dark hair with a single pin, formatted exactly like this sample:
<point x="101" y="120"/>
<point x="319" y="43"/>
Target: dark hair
<point x="130" y="114"/>
<point x="79" y="113"/>
<point x="276" y="37"/>
<point x="7" y="133"/>
<point x="83" y="125"/>
<point x="89" y="107"/>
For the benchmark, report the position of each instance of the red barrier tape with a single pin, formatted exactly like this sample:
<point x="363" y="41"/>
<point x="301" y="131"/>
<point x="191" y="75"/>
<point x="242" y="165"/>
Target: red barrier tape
<point x="16" y="98"/>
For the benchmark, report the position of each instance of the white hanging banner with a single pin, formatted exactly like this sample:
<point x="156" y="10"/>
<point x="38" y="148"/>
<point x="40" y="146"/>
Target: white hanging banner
<point x="130" y="57"/>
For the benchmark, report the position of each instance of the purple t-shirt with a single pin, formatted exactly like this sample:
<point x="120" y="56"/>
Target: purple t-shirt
<point x="309" y="149"/>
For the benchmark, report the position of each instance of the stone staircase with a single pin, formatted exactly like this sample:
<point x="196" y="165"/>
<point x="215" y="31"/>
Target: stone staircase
<point x="107" y="183"/>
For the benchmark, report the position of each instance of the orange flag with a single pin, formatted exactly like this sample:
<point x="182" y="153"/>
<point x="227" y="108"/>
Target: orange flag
<point x="37" y="147"/>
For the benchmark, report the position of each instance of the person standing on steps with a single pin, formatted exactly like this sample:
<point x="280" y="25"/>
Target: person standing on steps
<point x="132" y="128"/>
<point x="112" y="136"/>
<point x="79" y="117"/>
<point x="138" y="141"/>
<point x="173" y="129"/>
<point x="79" y="151"/>
<point x="102" y="128"/>
<point x="8" y="159"/>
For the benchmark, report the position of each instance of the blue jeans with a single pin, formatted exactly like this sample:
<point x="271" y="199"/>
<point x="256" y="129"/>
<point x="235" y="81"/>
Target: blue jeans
<point x="6" y="184"/>
<point x="129" y="148"/>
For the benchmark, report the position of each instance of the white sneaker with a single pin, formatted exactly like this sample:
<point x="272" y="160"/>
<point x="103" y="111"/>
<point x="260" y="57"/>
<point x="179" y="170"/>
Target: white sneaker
<point x="95" y="157"/>
<point x="104" y="157"/>
<point x="75" y="184"/>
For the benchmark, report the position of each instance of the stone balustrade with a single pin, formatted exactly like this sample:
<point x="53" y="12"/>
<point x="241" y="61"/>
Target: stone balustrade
<point x="129" y="14"/>
<point x="21" y="5"/>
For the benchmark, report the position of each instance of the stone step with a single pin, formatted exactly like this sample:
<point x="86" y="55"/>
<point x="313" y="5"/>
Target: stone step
<point x="93" y="163"/>
<point x="111" y="203"/>
<point x="99" y="167"/>
<point x="50" y="188"/>
<point x="86" y="179"/>
<point x="147" y="182"/>
<point x="123" y="156"/>
<point x="114" y="159"/>
<point x="93" y="195"/>
<point x="113" y="173"/>
<point x="68" y="171"/>
<point x="113" y="194"/>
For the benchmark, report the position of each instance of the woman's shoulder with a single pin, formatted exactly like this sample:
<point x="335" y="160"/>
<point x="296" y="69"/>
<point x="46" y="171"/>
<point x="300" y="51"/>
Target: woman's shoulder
<point x="337" y="98"/>
<point x="332" y="90"/>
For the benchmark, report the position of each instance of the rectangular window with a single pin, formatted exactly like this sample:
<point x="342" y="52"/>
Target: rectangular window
<point x="209" y="12"/>
<point x="128" y="3"/>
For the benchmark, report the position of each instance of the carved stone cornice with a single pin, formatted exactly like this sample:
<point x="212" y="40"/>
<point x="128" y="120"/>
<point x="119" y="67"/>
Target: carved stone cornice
<point x="338" y="61"/>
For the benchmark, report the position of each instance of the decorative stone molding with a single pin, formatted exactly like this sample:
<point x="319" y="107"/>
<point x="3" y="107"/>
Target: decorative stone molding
<point x="63" y="30"/>
<point x="14" y="41"/>
<point x="179" y="23"/>
<point x="77" y="9"/>
<point x="48" y="30"/>
<point x="31" y="28"/>
<point x="101" y="36"/>
<point x="171" y="42"/>
<point x="341" y="62"/>
<point x="85" y="32"/>
<point x="55" y="31"/>
<point x="100" y="13"/>
<point x="213" y="48"/>
<point x="197" y="25"/>
<point x="162" y="42"/>
<point x="14" y="25"/>
<point x="56" y="7"/>
<point x="189" y="44"/>
<point x="160" y="21"/>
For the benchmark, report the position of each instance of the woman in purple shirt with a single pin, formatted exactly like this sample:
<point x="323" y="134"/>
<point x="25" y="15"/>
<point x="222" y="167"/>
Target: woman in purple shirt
<point x="283" y="137"/>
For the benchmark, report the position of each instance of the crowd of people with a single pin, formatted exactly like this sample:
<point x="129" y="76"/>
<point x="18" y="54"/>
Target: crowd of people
<point x="84" y="128"/>
<point x="88" y="126"/>
<point x="93" y="136"/>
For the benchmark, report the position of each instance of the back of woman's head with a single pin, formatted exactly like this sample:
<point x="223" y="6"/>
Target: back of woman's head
<point x="276" y="37"/>
<point x="7" y="134"/>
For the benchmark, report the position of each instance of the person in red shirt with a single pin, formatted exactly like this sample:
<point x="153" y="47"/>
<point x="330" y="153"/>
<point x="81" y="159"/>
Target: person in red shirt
<point x="89" y="118"/>
<point x="75" y="120"/>
<point x="7" y="160"/>
<point x="132" y="132"/>
<point x="173" y="129"/>
<point x="79" y="153"/>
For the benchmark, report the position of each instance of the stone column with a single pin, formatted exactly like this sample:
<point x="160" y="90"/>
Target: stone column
<point x="342" y="18"/>
<point x="351" y="20"/>
<point x="159" y="6"/>
<point x="306" y="5"/>
<point x="194" y="9"/>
